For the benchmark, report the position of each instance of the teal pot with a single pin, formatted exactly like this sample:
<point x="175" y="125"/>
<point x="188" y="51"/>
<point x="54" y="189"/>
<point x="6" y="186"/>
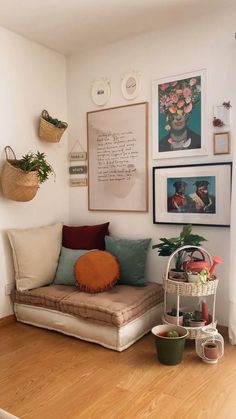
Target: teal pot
<point x="169" y="350"/>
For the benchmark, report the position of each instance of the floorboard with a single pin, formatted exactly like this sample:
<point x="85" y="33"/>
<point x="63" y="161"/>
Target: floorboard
<point x="46" y="375"/>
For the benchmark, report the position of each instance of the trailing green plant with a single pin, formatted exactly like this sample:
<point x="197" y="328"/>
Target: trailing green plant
<point x="186" y="238"/>
<point x="54" y="121"/>
<point x="36" y="162"/>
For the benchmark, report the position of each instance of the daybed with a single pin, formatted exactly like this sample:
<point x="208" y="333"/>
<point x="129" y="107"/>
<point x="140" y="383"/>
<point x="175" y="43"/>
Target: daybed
<point x="114" y="318"/>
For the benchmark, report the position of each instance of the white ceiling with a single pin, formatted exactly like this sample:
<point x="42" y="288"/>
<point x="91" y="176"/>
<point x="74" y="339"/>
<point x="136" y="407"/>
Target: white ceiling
<point x="69" y="26"/>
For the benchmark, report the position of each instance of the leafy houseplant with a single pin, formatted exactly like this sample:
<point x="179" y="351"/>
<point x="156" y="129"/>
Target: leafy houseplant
<point x="20" y="178"/>
<point x="186" y="238"/>
<point x="31" y="162"/>
<point x="51" y="129"/>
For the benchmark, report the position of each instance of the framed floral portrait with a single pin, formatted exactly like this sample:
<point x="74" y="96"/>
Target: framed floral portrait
<point x="196" y="194"/>
<point x="178" y="106"/>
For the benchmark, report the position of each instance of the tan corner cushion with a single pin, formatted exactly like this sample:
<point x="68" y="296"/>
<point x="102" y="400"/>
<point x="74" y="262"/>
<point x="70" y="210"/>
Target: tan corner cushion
<point x="35" y="255"/>
<point x="114" y="307"/>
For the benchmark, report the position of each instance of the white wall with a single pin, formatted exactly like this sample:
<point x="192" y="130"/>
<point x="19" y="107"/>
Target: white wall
<point x="32" y="78"/>
<point x="188" y="46"/>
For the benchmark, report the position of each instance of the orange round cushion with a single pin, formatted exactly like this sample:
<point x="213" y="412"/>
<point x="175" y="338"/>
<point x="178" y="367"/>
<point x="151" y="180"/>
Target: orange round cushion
<point x="96" y="271"/>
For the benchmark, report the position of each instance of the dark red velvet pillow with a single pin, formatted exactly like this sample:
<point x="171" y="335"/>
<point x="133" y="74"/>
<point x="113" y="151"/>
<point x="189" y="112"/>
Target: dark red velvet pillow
<point x="85" y="237"/>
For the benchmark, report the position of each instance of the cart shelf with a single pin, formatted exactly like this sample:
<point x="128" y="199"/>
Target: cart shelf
<point x="186" y="289"/>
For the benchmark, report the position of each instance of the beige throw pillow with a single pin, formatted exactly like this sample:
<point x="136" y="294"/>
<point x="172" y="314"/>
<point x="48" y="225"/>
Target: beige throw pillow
<point x="35" y="255"/>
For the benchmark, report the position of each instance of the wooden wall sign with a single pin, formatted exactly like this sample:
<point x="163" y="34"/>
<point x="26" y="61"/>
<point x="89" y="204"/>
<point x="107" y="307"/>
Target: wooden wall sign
<point x="77" y="170"/>
<point x="77" y="155"/>
<point x="78" y="182"/>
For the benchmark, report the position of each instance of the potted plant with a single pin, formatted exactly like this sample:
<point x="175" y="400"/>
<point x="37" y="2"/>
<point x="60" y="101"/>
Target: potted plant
<point x="51" y="129"/>
<point x="171" y="316"/>
<point x="197" y="320"/>
<point x="36" y="162"/>
<point x="187" y="315"/>
<point x="20" y="179"/>
<point x="186" y="238"/>
<point x="169" y="342"/>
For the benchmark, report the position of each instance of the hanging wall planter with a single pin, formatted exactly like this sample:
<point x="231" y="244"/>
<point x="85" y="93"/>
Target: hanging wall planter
<point x="51" y="129"/>
<point x="20" y="179"/>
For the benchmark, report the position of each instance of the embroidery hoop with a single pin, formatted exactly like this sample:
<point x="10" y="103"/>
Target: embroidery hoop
<point x="131" y="85"/>
<point x="100" y="91"/>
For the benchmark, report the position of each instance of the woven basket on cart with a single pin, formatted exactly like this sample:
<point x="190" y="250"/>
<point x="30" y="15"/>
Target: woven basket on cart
<point x="50" y="132"/>
<point x="189" y="289"/>
<point x="17" y="184"/>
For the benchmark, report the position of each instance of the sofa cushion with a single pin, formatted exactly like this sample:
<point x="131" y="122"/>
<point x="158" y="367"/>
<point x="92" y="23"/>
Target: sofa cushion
<point x="115" y="307"/>
<point x="132" y="256"/>
<point x="35" y="255"/>
<point x="85" y="237"/>
<point x="96" y="271"/>
<point x="65" y="271"/>
<point x="49" y="296"/>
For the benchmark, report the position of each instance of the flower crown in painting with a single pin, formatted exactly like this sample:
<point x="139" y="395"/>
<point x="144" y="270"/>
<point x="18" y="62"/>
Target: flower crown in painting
<point x="179" y="97"/>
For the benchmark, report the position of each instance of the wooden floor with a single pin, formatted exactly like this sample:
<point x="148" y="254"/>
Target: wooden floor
<point x="46" y="375"/>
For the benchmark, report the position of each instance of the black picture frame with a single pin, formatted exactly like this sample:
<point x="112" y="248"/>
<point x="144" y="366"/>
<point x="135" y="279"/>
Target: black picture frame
<point x="197" y="194"/>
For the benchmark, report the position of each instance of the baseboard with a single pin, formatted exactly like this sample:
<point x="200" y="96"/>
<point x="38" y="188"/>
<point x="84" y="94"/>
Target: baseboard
<point x="223" y="330"/>
<point x="7" y="320"/>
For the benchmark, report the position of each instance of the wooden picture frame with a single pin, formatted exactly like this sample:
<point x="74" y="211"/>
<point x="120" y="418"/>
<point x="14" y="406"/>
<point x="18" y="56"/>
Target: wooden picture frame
<point x="221" y="142"/>
<point x="197" y="194"/>
<point x="179" y="115"/>
<point x="117" y="158"/>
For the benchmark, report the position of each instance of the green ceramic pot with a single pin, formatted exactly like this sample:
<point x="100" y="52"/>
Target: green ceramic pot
<point x="169" y="350"/>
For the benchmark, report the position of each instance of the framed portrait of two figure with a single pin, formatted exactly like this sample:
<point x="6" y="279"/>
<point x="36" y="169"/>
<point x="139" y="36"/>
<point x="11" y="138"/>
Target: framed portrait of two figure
<point x="197" y="194"/>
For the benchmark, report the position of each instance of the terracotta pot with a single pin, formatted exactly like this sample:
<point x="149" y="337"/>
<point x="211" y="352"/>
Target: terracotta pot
<point x="200" y="323"/>
<point x="211" y="351"/>
<point x="177" y="275"/>
<point x="173" y="319"/>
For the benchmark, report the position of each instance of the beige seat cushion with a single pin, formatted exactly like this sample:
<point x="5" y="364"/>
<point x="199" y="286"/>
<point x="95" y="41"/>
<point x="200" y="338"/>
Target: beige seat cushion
<point x="35" y="255"/>
<point x="115" y="307"/>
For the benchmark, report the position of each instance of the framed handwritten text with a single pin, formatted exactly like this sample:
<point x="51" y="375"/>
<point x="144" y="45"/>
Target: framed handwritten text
<point x="117" y="158"/>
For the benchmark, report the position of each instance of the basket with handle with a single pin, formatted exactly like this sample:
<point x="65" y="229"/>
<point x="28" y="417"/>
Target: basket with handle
<point x="48" y="131"/>
<point x="187" y="288"/>
<point x="17" y="184"/>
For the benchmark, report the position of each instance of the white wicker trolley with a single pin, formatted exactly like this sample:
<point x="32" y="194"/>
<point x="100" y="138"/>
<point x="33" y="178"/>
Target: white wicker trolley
<point x="186" y="289"/>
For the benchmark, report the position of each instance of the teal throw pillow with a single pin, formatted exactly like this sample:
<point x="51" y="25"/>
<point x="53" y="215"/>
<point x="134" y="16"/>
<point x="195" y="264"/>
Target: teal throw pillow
<point x="65" y="269"/>
<point x="132" y="256"/>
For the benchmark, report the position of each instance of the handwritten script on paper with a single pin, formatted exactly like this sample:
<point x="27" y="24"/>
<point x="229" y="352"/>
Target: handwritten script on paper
<point x="117" y="153"/>
<point x="117" y="158"/>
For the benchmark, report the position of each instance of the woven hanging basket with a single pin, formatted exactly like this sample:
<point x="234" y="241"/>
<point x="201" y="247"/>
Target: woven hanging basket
<point x="17" y="184"/>
<point x="49" y="132"/>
